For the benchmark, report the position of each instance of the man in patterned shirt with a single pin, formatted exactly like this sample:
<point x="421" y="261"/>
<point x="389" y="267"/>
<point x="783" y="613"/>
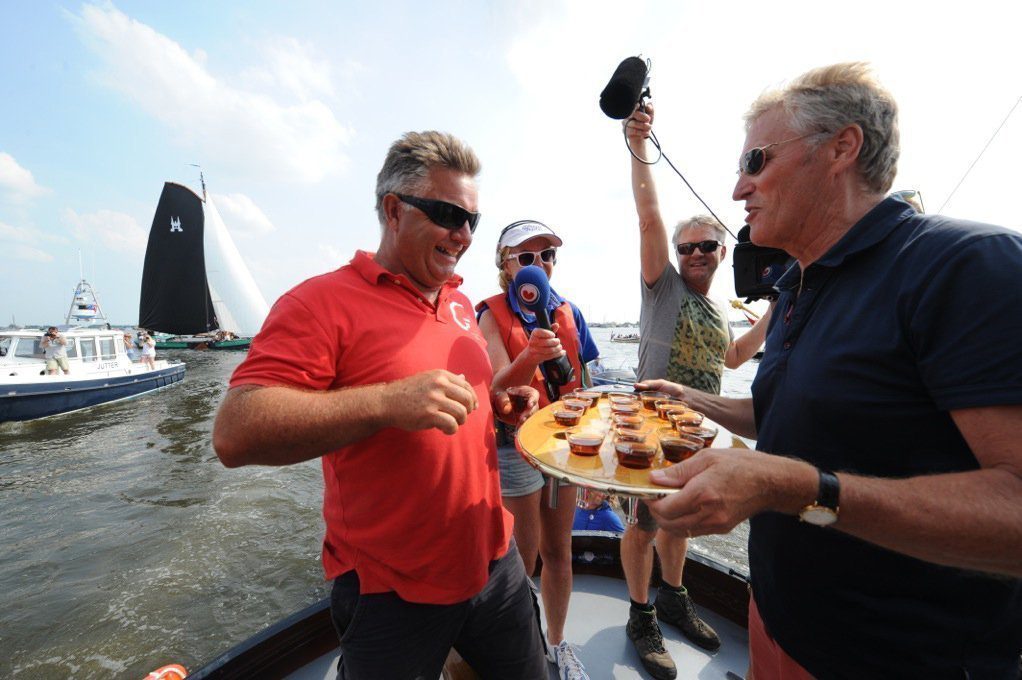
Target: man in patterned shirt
<point x="685" y="337"/>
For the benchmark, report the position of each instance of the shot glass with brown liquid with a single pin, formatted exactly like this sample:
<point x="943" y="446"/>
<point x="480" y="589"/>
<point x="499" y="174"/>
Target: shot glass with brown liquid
<point x="631" y="420"/>
<point x="585" y="395"/>
<point x="572" y="404"/>
<point x="630" y="434"/>
<point x="634" y="455"/>
<point x="628" y="408"/>
<point x="585" y="443"/>
<point x="566" y="418"/>
<point x="519" y="396"/>
<point x="679" y="447"/>
<point x="686" y="418"/>
<point x="650" y="398"/>
<point x="705" y="432"/>
<point x="664" y="406"/>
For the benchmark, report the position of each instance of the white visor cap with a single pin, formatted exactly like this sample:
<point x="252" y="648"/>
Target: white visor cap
<point x="517" y="233"/>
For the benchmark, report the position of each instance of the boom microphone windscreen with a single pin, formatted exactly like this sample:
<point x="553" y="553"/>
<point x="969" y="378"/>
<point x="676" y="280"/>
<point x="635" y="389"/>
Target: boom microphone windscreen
<point x="625" y="88"/>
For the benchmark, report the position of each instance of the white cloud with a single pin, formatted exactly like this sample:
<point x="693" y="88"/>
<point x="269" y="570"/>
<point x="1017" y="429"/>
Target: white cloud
<point x="17" y="234"/>
<point x="113" y="230"/>
<point x="17" y="183"/>
<point x="243" y="128"/>
<point x="242" y="215"/>
<point x="30" y="254"/>
<point x="19" y="243"/>
<point x="294" y="67"/>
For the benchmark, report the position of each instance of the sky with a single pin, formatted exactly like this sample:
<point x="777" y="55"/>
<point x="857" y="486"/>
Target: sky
<point x="289" y="108"/>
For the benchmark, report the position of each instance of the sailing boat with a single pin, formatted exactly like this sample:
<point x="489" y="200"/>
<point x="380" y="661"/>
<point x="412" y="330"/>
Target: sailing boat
<point x="195" y="286"/>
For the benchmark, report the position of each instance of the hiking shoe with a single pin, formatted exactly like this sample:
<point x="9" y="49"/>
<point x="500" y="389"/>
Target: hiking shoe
<point x="678" y="610"/>
<point x="568" y="665"/>
<point x="645" y="634"/>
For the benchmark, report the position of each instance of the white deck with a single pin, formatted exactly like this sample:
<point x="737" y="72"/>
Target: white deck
<point x="596" y="626"/>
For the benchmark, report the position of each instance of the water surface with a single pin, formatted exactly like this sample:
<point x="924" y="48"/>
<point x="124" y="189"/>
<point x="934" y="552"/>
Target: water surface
<point x="126" y="545"/>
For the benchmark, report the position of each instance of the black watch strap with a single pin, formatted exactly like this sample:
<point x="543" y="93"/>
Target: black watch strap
<point x="830" y="490"/>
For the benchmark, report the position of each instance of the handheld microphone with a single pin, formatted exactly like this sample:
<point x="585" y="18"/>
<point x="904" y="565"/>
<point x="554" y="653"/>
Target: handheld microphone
<point x="627" y="86"/>
<point x="533" y="290"/>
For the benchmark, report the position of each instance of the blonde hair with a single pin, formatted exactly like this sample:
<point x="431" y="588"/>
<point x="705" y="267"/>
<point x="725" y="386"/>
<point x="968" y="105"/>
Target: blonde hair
<point x="409" y="159"/>
<point x="828" y="98"/>
<point x="503" y="278"/>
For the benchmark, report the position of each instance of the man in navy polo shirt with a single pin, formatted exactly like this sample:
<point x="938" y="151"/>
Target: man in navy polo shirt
<point x="886" y="495"/>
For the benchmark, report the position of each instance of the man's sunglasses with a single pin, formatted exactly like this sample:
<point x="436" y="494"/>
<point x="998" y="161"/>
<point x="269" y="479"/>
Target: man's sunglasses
<point x="442" y="213"/>
<point x="527" y="257"/>
<point x="703" y="246"/>
<point x="754" y="160"/>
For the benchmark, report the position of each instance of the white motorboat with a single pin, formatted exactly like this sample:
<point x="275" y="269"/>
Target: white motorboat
<point x="100" y="372"/>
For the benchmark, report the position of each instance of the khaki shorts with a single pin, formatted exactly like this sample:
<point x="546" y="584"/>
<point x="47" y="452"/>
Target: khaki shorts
<point x="51" y="364"/>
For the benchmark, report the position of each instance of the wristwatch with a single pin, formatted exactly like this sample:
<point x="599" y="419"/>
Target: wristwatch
<point x="823" y="512"/>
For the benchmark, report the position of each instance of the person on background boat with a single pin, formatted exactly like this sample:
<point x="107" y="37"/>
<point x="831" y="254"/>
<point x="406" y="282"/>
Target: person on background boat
<point x="684" y="336"/>
<point x="380" y="370"/>
<point x="517" y="349"/>
<point x="148" y="349"/>
<point x="54" y="346"/>
<point x="130" y="348"/>
<point x="595" y="513"/>
<point x="886" y="496"/>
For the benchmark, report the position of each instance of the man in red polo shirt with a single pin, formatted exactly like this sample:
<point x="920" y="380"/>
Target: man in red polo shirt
<point x="379" y="369"/>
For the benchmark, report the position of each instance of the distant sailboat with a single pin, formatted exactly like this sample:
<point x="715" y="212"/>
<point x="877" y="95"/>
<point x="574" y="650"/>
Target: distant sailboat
<point x="195" y="286"/>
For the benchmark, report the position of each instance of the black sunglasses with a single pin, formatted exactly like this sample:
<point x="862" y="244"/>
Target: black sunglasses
<point x="754" y="160"/>
<point x="703" y="246"/>
<point x="442" y="213"/>
<point x="528" y="257"/>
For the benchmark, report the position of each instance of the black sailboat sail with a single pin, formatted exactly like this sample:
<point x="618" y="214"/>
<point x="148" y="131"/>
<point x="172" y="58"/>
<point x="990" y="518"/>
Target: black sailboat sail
<point x="175" y="295"/>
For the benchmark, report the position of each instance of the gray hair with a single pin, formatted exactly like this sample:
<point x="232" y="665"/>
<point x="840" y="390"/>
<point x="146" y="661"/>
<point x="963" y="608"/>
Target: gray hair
<point x="828" y="98"/>
<point x="410" y="158"/>
<point x="699" y="221"/>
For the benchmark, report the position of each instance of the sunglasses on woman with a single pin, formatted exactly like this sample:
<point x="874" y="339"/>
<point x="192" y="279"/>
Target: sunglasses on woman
<point x="527" y="257"/>
<point x="754" y="160"/>
<point x="442" y="213"/>
<point x="703" y="246"/>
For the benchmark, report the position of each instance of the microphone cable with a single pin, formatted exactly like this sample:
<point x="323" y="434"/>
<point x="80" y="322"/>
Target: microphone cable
<point x="656" y="143"/>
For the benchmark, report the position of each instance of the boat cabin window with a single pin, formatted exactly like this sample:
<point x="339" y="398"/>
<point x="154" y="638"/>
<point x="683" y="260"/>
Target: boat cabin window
<point x="88" y="346"/>
<point x="72" y="348"/>
<point x="29" y="348"/>
<point x="5" y="345"/>
<point x="106" y="347"/>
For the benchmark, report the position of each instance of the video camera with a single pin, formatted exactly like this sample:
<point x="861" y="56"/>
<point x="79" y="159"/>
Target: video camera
<point x="757" y="268"/>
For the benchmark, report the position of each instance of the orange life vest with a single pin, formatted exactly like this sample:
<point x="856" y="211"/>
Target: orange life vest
<point x="512" y="332"/>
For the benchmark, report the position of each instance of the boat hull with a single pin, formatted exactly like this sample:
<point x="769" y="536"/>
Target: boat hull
<point x="286" y="647"/>
<point x="31" y="400"/>
<point x="236" y="344"/>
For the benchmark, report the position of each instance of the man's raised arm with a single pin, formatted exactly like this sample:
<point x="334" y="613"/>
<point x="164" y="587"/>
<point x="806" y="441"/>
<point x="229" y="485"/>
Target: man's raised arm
<point x="654" y="251"/>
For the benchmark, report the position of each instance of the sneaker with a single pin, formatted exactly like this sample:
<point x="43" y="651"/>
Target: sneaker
<point x="645" y="634"/>
<point x="568" y="665"/>
<point x="678" y="610"/>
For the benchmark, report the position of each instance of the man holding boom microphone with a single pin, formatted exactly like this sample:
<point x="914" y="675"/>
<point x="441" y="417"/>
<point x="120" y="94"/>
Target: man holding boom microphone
<point x="684" y="337"/>
<point x="886" y="496"/>
<point x="379" y="369"/>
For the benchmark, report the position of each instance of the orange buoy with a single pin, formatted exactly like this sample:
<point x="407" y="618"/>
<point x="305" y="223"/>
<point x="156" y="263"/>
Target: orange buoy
<point x="173" y="671"/>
